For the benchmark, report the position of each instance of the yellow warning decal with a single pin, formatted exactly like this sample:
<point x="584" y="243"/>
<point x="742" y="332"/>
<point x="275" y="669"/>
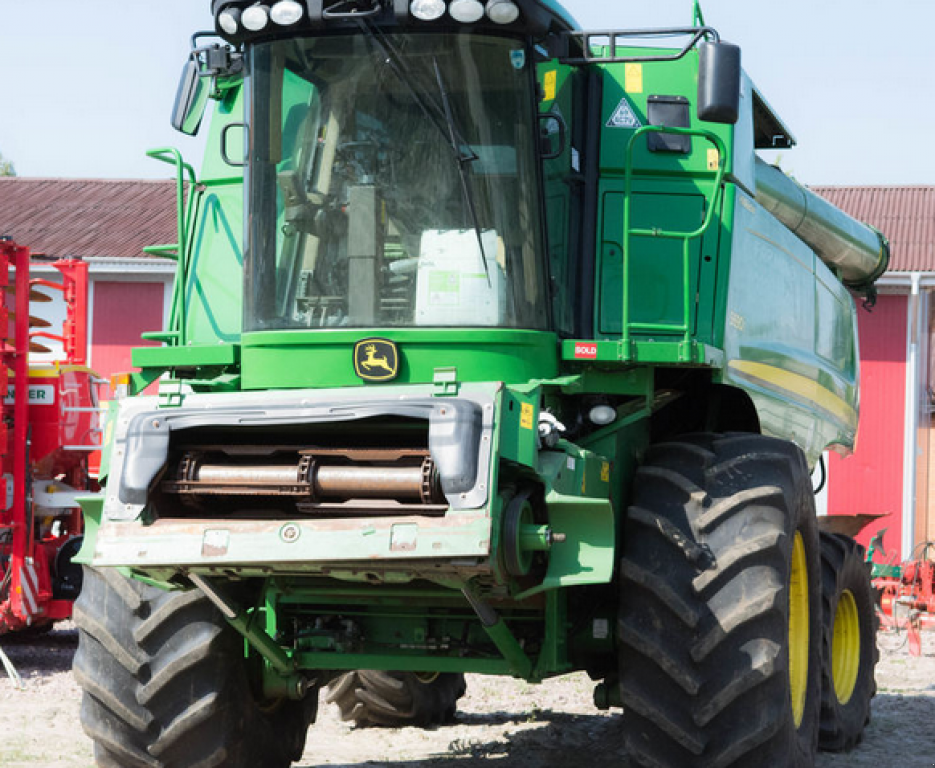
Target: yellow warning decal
<point x="550" y="85"/>
<point x="714" y="159"/>
<point x="605" y="471"/>
<point x="633" y="78"/>
<point x="526" y="416"/>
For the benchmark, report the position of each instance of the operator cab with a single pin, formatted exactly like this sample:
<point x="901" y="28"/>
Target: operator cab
<point x="430" y="164"/>
<point x="393" y="175"/>
<point x="393" y="183"/>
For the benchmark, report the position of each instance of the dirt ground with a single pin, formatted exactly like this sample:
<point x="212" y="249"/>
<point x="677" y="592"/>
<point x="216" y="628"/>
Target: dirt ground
<point x="504" y="723"/>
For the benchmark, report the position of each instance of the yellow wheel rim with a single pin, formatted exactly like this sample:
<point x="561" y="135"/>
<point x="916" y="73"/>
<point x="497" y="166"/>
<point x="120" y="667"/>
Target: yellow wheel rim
<point x="845" y="647"/>
<point x="426" y="678"/>
<point x="798" y="629"/>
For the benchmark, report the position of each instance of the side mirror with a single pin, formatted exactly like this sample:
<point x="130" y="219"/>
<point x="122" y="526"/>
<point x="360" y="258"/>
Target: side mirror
<point x="553" y="135"/>
<point x="190" y="99"/>
<point x="719" y="82"/>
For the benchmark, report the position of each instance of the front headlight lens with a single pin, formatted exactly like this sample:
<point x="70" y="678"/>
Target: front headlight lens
<point x="602" y="415"/>
<point x="466" y="11"/>
<point x="255" y="18"/>
<point x="427" y="10"/>
<point x="286" y="12"/>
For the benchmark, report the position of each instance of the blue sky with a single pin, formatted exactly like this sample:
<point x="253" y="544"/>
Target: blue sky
<point x="86" y="86"/>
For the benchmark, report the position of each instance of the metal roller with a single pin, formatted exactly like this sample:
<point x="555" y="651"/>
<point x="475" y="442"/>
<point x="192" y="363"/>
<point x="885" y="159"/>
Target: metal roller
<point x="857" y="252"/>
<point x="308" y="479"/>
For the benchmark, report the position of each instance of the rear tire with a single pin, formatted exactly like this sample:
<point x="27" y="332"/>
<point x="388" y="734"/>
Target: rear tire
<point x="719" y="628"/>
<point x="849" y="649"/>
<point x="397" y="699"/>
<point x="166" y="686"/>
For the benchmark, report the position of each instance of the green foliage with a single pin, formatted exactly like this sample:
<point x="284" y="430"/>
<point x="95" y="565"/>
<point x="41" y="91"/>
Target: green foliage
<point x="6" y="167"/>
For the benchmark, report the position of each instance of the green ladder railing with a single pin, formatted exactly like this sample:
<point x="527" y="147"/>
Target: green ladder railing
<point x="175" y="335"/>
<point x="628" y="328"/>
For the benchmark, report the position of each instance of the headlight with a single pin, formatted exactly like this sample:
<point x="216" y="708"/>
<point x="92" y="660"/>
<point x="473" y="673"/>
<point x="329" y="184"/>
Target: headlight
<point x="229" y="21"/>
<point x="466" y="11"/>
<point x="286" y="12"/>
<point x="602" y="415"/>
<point x="502" y="11"/>
<point x="255" y="18"/>
<point x="427" y="10"/>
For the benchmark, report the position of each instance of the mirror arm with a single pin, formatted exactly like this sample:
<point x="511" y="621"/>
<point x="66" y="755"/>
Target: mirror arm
<point x="581" y="42"/>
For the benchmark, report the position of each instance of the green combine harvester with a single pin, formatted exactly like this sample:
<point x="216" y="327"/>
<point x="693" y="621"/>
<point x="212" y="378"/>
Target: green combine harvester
<point x="494" y="349"/>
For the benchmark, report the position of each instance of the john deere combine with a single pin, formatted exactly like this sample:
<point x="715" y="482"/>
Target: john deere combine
<point x="496" y="350"/>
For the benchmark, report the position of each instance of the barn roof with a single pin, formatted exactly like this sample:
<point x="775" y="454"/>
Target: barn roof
<point x="88" y="217"/>
<point x="905" y="214"/>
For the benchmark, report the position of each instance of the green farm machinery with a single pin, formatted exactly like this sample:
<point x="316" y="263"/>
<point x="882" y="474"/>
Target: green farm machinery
<point x="494" y="348"/>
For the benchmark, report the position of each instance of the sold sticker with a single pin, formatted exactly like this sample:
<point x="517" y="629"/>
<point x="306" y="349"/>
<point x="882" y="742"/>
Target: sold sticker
<point x="586" y="351"/>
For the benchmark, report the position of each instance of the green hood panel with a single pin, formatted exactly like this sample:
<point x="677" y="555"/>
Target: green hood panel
<point x="320" y="359"/>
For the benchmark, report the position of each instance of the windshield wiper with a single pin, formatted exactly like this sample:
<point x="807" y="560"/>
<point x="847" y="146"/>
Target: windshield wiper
<point x="440" y="116"/>
<point x="462" y="169"/>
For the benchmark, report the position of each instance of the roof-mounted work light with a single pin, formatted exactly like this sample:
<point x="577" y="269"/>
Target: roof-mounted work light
<point x="229" y="20"/>
<point x="466" y="11"/>
<point x="255" y="18"/>
<point x="427" y="10"/>
<point x="286" y="12"/>
<point x="502" y="11"/>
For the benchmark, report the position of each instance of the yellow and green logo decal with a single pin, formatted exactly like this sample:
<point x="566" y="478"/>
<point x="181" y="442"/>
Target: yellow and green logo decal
<point x="376" y="360"/>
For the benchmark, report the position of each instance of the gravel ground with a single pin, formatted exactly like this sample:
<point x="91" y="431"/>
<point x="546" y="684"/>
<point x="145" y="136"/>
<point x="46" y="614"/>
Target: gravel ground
<point x="513" y="723"/>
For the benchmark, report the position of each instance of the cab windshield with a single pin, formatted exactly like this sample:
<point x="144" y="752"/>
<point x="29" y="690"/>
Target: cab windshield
<point x="393" y="183"/>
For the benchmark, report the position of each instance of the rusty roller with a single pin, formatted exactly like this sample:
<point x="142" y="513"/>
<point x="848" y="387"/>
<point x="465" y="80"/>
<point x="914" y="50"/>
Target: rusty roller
<point x="307" y="479"/>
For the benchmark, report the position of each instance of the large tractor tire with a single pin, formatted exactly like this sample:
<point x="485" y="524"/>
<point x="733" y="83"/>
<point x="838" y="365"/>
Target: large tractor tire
<point x="166" y="685"/>
<point x="849" y="647"/>
<point x="719" y="629"/>
<point x="397" y="699"/>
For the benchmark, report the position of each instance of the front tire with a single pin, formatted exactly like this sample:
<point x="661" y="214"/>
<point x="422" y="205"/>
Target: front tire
<point x="165" y="683"/>
<point x="719" y="627"/>
<point x="849" y="650"/>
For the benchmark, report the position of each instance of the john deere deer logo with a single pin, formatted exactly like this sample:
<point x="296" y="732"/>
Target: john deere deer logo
<point x="376" y="360"/>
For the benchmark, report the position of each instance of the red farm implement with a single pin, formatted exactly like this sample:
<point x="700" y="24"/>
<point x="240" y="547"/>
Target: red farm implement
<point x="48" y="432"/>
<point x="906" y="591"/>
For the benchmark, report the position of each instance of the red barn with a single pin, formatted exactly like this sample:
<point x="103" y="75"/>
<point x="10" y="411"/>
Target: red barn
<point x="893" y="468"/>
<point x="107" y="223"/>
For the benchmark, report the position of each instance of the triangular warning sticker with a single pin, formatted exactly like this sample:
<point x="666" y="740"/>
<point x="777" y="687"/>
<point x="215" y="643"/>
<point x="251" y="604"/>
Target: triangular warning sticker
<point x="624" y="116"/>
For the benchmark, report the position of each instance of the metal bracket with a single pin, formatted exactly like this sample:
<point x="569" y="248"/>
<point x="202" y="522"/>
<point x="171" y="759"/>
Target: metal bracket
<point x="587" y="42"/>
<point x="446" y="381"/>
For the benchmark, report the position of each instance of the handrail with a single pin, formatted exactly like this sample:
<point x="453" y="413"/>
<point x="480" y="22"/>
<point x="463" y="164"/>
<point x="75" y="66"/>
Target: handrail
<point x="686" y="237"/>
<point x="172" y="156"/>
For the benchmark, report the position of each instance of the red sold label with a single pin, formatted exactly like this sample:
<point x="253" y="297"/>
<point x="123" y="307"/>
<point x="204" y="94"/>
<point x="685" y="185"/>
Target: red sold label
<point x="588" y="351"/>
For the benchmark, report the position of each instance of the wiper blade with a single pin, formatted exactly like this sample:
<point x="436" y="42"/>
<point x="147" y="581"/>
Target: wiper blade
<point x="462" y="170"/>
<point x="430" y="108"/>
<point x="440" y="116"/>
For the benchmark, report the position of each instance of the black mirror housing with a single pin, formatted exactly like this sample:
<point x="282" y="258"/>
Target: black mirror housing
<point x="719" y="82"/>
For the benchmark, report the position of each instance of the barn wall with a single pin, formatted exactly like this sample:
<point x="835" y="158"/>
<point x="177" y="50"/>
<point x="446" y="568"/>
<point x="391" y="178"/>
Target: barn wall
<point x="121" y="312"/>
<point x="871" y="480"/>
